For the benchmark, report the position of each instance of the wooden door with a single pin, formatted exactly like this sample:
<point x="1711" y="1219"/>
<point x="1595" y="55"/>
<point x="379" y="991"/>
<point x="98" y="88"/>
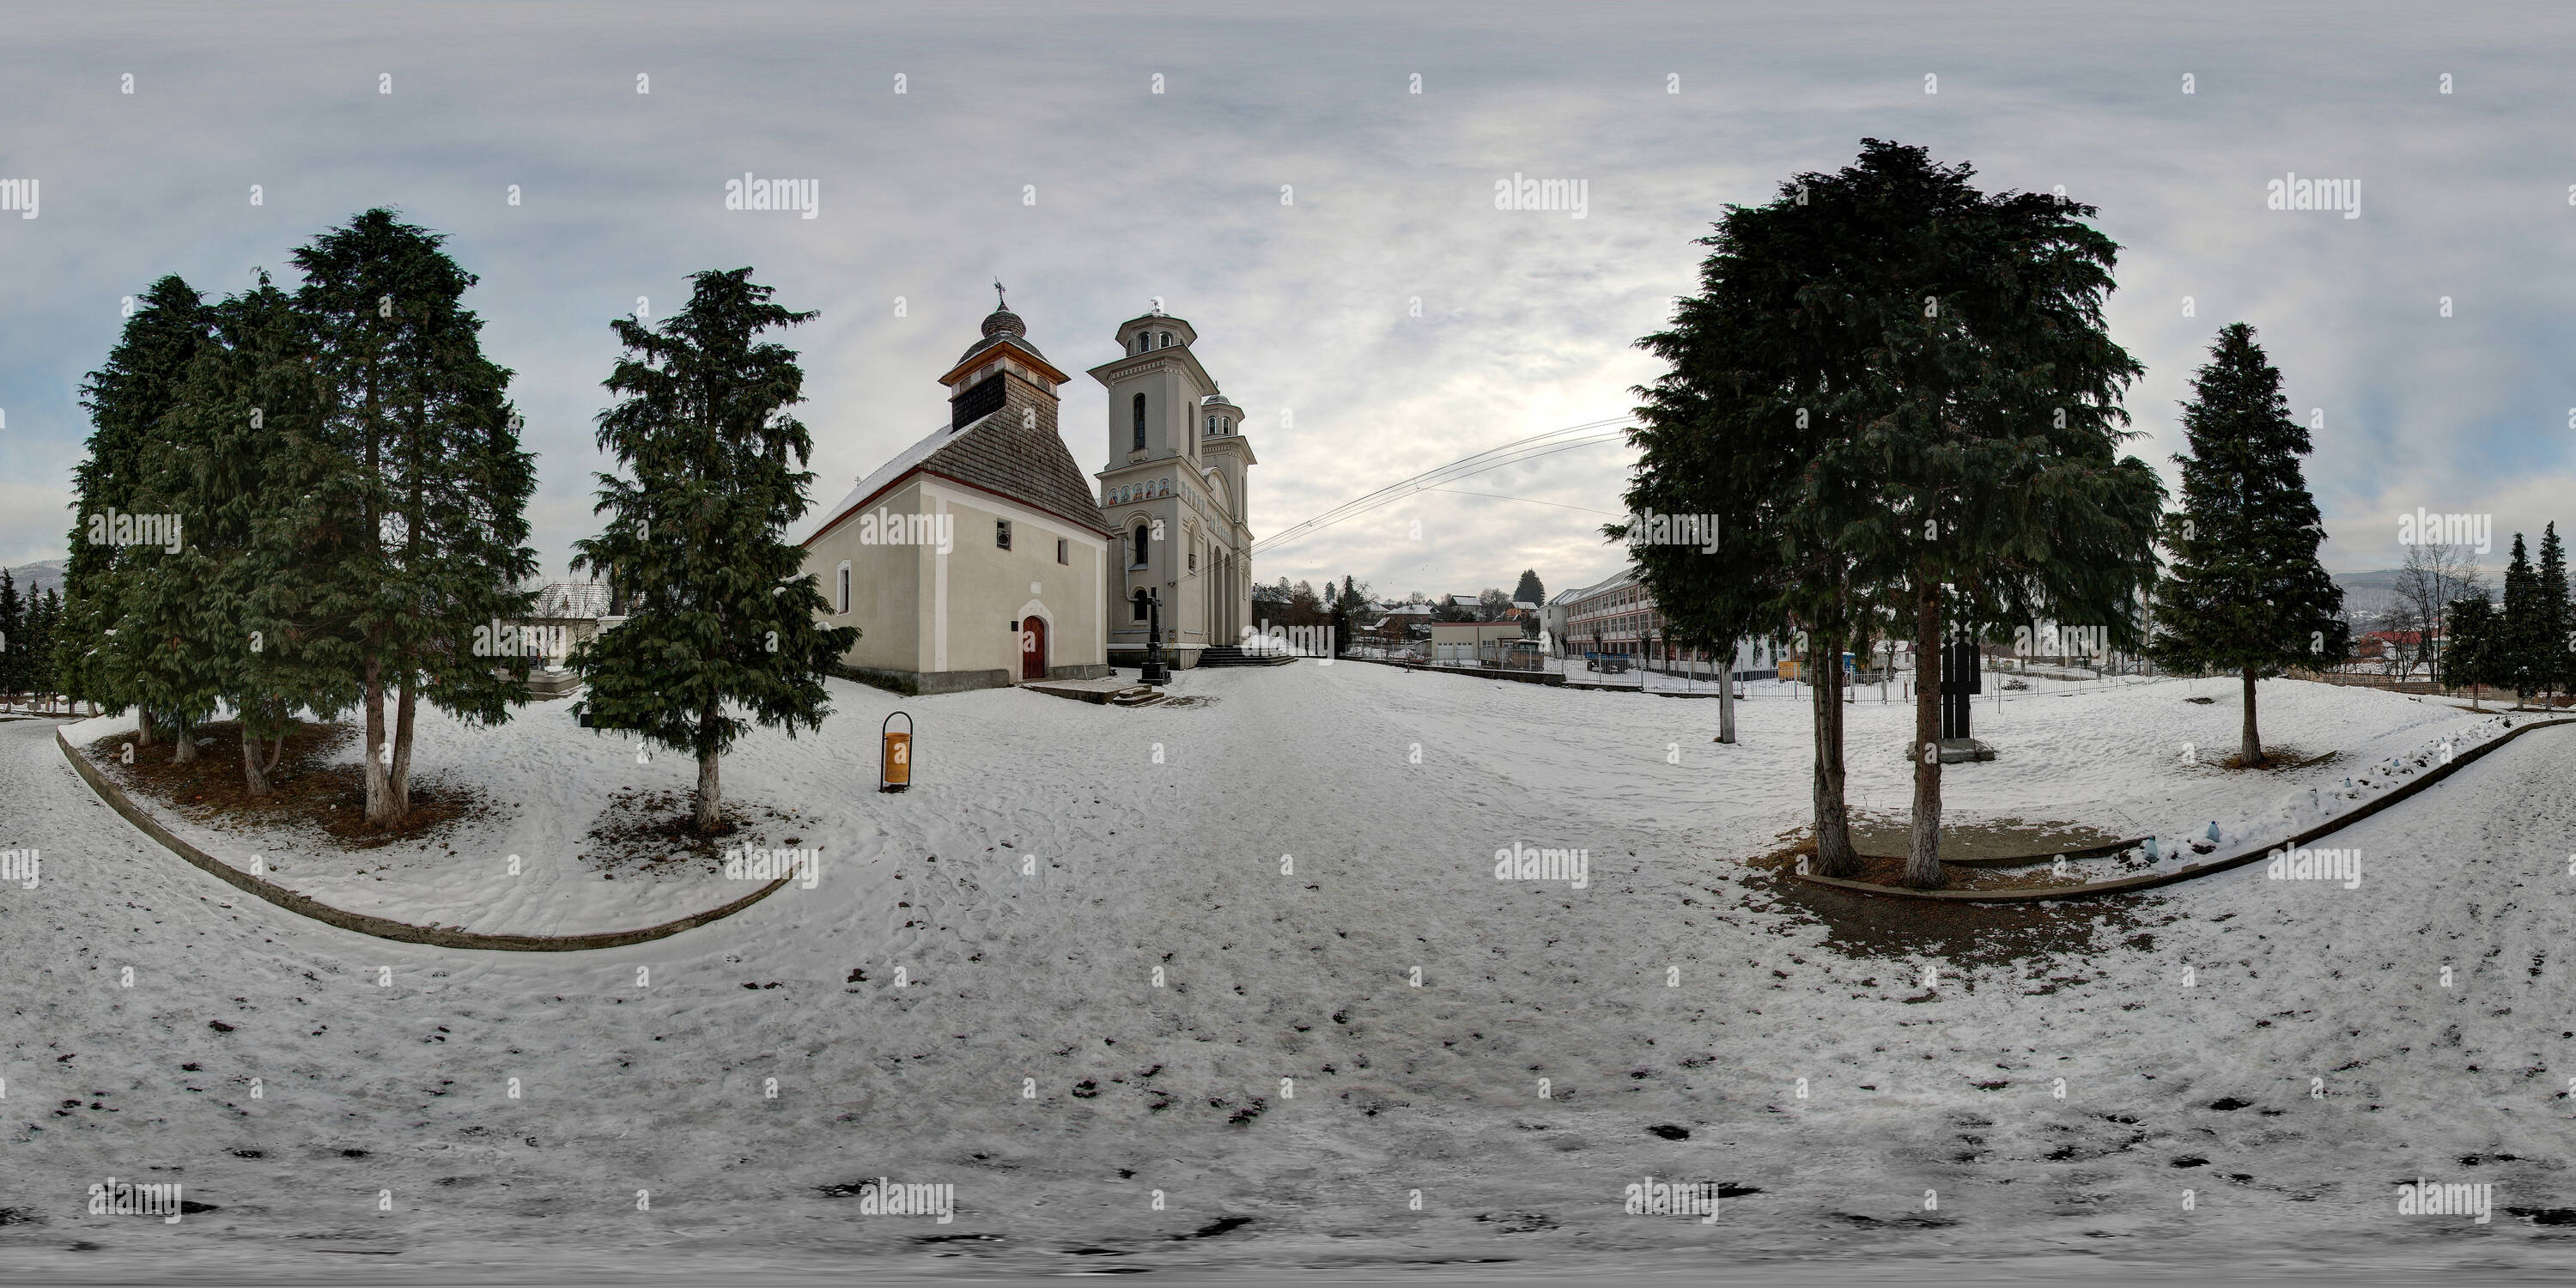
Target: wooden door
<point x="1033" y="648"/>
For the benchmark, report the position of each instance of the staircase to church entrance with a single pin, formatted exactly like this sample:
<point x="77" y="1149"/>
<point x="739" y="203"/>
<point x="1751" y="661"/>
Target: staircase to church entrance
<point x="1232" y="655"/>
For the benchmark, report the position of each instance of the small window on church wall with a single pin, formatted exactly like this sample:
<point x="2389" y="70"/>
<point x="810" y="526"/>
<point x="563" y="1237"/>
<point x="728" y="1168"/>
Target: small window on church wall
<point x="1063" y="551"/>
<point x="1140" y="423"/>
<point x="845" y="586"/>
<point x="1138" y="558"/>
<point x="1140" y="605"/>
<point x="1167" y="339"/>
<point x="1001" y="534"/>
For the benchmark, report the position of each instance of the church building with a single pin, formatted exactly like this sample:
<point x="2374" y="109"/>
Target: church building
<point x="980" y="556"/>
<point x="976" y="557"/>
<point x="1173" y="494"/>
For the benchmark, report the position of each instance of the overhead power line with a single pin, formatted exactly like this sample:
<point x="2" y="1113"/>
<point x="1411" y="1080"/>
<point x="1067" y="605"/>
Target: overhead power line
<point x="1589" y="434"/>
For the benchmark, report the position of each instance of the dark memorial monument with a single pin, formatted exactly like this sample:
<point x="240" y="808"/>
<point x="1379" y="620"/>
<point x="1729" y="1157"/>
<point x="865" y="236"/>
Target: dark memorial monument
<point x="1961" y="681"/>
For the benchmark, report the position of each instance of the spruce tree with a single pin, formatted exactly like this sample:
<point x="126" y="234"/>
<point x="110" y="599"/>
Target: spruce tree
<point x="126" y="398"/>
<point x="1897" y="395"/>
<point x="13" y="636"/>
<point x="1991" y="416"/>
<point x="722" y="618"/>
<point x="2470" y="656"/>
<point x="2245" y="592"/>
<point x="2517" y="660"/>
<point x="414" y="491"/>
<point x="245" y="416"/>
<point x="44" y="645"/>
<point x="1528" y="590"/>
<point x="2553" y="627"/>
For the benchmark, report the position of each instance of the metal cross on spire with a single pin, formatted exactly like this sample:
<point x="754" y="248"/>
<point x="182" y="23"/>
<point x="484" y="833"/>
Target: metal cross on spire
<point x="999" y="303"/>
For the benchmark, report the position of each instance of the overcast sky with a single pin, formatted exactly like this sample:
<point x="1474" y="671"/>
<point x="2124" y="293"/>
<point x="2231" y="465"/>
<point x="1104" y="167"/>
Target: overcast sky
<point x="1304" y="308"/>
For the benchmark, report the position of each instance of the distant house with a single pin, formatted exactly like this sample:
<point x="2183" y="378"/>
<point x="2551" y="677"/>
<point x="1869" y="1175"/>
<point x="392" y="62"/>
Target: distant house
<point x="564" y="614"/>
<point x="1468" y="641"/>
<point x="2389" y="645"/>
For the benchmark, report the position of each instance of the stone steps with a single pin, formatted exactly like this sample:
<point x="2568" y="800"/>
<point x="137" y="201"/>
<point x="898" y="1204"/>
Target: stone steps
<point x="1233" y="655"/>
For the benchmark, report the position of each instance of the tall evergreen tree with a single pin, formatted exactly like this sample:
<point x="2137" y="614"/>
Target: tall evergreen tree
<point x="1529" y="591"/>
<point x="13" y="635"/>
<point x="2472" y="658"/>
<point x="1990" y="414"/>
<point x="422" y="487"/>
<point x="126" y="399"/>
<point x="241" y="433"/>
<point x="1896" y="393"/>
<point x="44" y="634"/>
<point x="2519" y="661"/>
<point x="722" y="618"/>
<point x="2245" y="592"/>
<point x="2553" y="626"/>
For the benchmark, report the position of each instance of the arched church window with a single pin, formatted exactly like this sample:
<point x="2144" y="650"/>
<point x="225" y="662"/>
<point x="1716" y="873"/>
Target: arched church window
<point x="1137" y="559"/>
<point x="1140" y="605"/>
<point x="1140" y="423"/>
<point x="1167" y="340"/>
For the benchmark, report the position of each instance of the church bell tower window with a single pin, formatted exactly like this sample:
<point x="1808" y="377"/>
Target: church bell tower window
<point x="1140" y="423"/>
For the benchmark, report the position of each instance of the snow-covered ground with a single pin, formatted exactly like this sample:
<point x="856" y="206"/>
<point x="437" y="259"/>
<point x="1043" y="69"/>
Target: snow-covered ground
<point x="1149" y="918"/>
<point x="522" y="866"/>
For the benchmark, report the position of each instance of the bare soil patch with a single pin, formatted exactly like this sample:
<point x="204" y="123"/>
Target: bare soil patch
<point x="1967" y="934"/>
<point x="652" y="831"/>
<point x="313" y="794"/>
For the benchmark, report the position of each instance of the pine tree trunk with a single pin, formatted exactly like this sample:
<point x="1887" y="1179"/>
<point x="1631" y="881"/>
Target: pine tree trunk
<point x="142" y="731"/>
<point x="254" y="780"/>
<point x="275" y="754"/>
<point x="183" y="744"/>
<point x="2251" y="754"/>
<point x="1835" y="856"/>
<point x="400" y="783"/>
<point x="379" y="788"/>
<point x="710" y="793"/>
<point x="1923" y="849"/>
<point x="1726" y="697"/>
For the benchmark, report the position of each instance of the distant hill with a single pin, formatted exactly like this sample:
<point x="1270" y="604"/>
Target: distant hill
<point x="2367" y="595"/>
<point x="37" y="577"/>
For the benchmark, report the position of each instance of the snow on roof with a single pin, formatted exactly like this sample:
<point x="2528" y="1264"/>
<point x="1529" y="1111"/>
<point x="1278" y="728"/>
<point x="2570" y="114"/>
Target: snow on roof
<point x="1018" y="459"/>
<point x="1624" y="577"/>
<point x="816" y="520"/>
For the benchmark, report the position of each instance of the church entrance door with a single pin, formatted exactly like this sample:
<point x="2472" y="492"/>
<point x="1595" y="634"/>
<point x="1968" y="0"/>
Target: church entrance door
<point x="1033" y="649"/>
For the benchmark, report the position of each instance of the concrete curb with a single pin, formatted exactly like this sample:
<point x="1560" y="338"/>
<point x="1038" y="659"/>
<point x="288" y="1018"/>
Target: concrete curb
<point x="2027" y="860"/>
<point x="2127" y="885"/>
<point x="380" y="927"/>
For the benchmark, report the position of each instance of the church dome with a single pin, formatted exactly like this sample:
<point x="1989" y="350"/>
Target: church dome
<point x="999" y="325"/>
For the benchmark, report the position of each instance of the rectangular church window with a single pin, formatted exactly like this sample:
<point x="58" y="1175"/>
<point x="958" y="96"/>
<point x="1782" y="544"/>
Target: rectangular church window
<point x="1063" y="552"/>
<point x="1001" y="534"/>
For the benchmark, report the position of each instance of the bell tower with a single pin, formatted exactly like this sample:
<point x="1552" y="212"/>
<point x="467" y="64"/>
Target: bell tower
<point x="1173" y="491"/>
<point x="1003" y="371"/>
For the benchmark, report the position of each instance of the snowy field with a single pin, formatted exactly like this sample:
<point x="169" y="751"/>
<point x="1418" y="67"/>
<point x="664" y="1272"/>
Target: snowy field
<point x="546" y="781"/>
<point x="2286" y="1051"/>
